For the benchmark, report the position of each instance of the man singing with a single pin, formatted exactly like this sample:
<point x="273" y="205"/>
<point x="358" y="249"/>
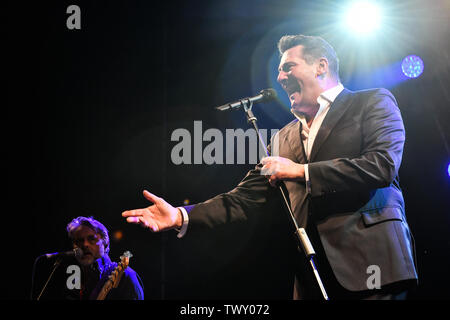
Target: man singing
<point x="339" y="159"/>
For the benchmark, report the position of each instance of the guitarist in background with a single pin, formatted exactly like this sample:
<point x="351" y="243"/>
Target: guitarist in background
<point x="92" y="238"/>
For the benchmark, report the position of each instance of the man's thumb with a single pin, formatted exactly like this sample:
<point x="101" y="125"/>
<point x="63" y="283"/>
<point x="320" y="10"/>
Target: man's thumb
<point x="150" y="196"/>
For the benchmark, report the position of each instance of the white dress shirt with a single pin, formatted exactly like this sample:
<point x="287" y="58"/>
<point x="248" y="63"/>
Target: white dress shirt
<point x="325" y="100"/>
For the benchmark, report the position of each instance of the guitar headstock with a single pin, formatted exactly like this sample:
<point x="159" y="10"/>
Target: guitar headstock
<point x="125" y="258"/>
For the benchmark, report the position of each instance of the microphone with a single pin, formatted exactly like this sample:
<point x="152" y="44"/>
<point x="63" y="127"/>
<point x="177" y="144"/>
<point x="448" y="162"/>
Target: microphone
<point x="77" y="252"/>
<point x="263" y="96"/>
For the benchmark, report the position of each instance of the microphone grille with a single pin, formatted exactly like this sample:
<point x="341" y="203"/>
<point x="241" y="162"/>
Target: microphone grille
<point x="78" y="252"/>
<point x="269" y="94"/>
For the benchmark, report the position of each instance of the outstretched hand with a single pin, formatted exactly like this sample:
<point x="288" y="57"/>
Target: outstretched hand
<point x="160" y="216"/>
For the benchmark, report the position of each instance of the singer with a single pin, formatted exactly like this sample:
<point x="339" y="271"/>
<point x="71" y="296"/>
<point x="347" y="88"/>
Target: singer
<point x="91" y="238"/>
<point x="339" y="159"/>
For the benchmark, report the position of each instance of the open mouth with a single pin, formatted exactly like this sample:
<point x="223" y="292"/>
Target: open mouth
<point x="291" y="89"/>
<point x="294" y="96"/>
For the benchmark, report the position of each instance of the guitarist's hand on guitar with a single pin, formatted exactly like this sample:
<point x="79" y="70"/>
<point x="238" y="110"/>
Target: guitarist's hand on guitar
<point x="160" y="216"/>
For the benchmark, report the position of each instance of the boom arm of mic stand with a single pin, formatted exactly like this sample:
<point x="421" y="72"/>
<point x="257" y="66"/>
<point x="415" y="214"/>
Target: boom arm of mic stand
<point x="302" y="237"/>
<point x="55" y="266"/>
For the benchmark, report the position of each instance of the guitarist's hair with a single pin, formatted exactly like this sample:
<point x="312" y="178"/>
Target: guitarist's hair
<point x="90" y="222"/>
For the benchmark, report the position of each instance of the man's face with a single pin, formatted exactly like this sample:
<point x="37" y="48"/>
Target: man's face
<point x="299" y="80"/>
<point x="90" y="243"/>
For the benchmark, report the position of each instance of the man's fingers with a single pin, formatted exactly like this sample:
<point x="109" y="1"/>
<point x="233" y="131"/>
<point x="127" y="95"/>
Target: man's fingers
<point x="151" y="197"/>
<point x="266" y="170"/>
<point x="151" y="225"/>
<point x="146" y="217"/>
<point x="141" y="220"/>
<point x="133" y="219"/>
<point x="128" y="213"/>
<point x="270" y="169"/>
<point x="266" y="159"/>
<point x="133" y="213"/>
<point x="273" y="181"/>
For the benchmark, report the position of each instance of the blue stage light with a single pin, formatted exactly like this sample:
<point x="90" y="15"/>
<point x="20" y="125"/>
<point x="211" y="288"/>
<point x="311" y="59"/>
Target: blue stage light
<point x="412" y="66"/>
<point x="448" y="169"/>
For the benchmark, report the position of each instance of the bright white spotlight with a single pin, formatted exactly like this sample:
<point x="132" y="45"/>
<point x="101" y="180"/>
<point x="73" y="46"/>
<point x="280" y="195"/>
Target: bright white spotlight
<point x="363" y="17"/>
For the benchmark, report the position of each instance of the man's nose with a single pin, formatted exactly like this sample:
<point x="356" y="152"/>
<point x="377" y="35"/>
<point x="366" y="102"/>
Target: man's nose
<point x="282" y="77"/>
<point x="85" y="243"/>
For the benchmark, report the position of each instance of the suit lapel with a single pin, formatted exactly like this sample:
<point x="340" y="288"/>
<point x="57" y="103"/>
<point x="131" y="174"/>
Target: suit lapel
<point x="337" y="110"/>
<point x="293" y="140"/>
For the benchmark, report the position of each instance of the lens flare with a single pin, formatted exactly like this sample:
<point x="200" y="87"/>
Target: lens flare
<point x="363" y="17"/>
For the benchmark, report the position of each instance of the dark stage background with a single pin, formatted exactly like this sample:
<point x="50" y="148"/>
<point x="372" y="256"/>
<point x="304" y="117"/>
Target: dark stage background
<point x="90" y="114"/>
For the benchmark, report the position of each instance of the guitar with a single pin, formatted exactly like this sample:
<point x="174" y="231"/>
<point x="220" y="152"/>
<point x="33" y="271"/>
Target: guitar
<point x="115" y="276"/>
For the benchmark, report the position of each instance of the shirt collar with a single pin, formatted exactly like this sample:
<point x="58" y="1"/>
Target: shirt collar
<point x="326" y="98"/>
<point x="331" y="94"/>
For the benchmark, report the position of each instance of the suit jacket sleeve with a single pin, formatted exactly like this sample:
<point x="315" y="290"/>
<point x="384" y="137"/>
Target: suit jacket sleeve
<point x="383" y="137"/>
<point x="251" y="195"/>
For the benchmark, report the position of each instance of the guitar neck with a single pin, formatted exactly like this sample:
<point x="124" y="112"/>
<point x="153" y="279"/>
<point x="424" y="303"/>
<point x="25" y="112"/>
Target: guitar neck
<point x="115" y="277"/>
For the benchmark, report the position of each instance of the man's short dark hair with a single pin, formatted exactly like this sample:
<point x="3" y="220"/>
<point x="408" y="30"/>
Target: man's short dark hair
<point x="314" y="48"/>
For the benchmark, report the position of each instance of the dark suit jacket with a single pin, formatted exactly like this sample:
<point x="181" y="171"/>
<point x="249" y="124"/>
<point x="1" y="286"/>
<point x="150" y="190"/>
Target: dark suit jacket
<point x="355" y="200"/>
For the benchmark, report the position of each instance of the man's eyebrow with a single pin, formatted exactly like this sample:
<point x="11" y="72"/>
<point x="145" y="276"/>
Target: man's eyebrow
<point x="285" y="64"/>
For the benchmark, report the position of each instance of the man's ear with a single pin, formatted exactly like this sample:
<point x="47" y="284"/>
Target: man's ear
<point x="322" y="67"/>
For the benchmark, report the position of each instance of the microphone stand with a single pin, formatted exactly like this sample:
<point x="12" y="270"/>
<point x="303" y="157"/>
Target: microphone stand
<point x="300" y="233"/>
<point x="55" y="265"/>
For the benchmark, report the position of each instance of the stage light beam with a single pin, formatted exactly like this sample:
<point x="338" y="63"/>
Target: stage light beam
<point x="363" y="17"/>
